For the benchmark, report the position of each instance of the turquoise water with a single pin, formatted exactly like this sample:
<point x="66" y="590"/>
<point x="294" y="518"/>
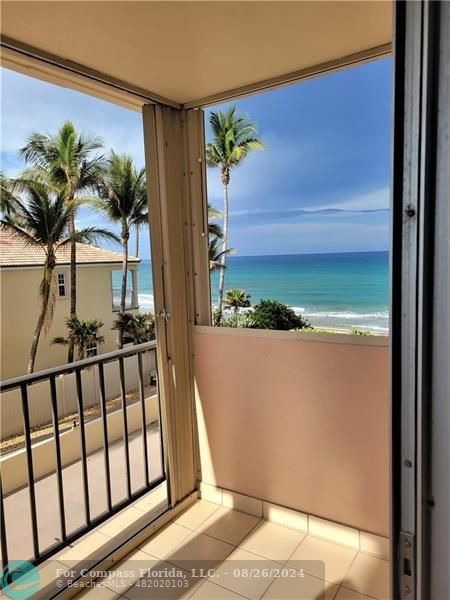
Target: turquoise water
<point x="331" y="290"/>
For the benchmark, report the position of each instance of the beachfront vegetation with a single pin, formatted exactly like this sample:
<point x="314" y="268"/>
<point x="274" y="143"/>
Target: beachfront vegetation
<point x="122" y="197"/>
<point x="356" y="331"/>
<point x="236" y="299"/>
<point x="266" y="314"/>
<point x="272" y="314"/>
<point x="43" y="217"/>
<point x="84" y="335"/>
<point x="69" y="164"/>
<point x="135" y="328"/>
<point x="234" y="137"/>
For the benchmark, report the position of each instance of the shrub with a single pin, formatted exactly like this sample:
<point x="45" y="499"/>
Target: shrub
<point x="268" y="314"/>
<point x="271" y="314"/>
<point x="238" y="320"/>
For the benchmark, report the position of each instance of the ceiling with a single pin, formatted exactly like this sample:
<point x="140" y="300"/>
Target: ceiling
<point x="185" y="51"/>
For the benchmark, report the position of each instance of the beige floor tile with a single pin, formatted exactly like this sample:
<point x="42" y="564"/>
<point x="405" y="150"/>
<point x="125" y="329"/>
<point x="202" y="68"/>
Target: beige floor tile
<point x="234" y="572"/>
<point x="374" y="544"/>
<point x="322" y="559"/>
<point x="300" y="588"/>
<point x="199" y="551"/>
<point x="272" y="541"/>
<point x="369" y="575"/>
<point x="128" y="571"/>
<point x="164" y="582"/>
<point x="345" y="594"/>
<point x="229" y="525"/>
<point x="196" y="514"/>
<point x="211" y="591"/>
<point x="163" y="542"/>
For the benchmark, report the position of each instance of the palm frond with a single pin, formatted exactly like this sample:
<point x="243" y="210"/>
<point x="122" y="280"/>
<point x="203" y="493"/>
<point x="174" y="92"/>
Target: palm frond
<point x="93" y="235"/>
<point x="234" y="137"/>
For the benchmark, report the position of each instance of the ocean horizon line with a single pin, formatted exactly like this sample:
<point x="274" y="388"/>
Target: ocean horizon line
<point x="232" y="256"/>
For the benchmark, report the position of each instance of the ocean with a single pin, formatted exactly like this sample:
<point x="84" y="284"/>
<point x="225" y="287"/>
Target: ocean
<point x="340" y="290"/>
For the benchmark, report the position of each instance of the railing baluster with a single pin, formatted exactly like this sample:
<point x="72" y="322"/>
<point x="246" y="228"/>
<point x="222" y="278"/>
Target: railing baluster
<point x="125" y="422"/>
<point x="85" y="476"/>
<point x="59" y="479"/>
<point x="144" y="416"/>
<point x="21" y="384"/>
<point x="30" y="471"/>
<point x="101" y="378"/>
<point x="3" y="540"/>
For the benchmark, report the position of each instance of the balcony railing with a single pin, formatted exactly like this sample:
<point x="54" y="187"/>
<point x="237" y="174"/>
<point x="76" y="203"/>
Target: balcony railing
<point x="133" y="366"/>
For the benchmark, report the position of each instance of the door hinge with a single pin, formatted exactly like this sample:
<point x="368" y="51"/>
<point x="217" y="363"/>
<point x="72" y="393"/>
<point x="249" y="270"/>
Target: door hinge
<point x="164" y="314"/>
<point x="407" y="566"/>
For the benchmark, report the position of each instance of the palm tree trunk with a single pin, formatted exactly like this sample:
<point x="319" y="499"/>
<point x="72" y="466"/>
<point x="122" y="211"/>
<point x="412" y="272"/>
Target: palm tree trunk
<point x="223" y="258"/>
<point x="123" y="293"/>
<point x="136" y="254"/>
<point x="48" y="274"/>
<point x="73" y="281"/>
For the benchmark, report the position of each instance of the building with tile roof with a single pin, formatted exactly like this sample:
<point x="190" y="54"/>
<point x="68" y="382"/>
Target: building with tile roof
<point x="98" y="296"/>
<point x="15" y="252"/>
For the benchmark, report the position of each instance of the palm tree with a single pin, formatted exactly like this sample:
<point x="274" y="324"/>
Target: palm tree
<point x="68" y="162"/>
<point x="214" y="229"/>
<point x="215" y="253"/>
<point x="82" y="334"/>
<point x="123" y="198"/>
<point x="42" y="218"/>
<point x="236" y="299"/>
<point x="234" y="137"/>
<point x="137" y="328"/>
<point x="8" y="197"/>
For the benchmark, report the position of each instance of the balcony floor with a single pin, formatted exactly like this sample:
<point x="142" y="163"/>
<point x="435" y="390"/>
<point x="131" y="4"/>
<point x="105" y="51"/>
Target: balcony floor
<point x="231" y="543"/>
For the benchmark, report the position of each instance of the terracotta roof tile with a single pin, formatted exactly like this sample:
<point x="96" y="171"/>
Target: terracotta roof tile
<point x="14" y="252"/>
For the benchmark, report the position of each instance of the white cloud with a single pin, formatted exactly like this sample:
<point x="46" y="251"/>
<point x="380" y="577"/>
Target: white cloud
<point x="32" y="105"/>
<point x="376" y="200"/>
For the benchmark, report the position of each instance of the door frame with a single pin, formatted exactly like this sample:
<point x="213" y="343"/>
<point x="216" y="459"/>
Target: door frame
<point x="420" y="279"/>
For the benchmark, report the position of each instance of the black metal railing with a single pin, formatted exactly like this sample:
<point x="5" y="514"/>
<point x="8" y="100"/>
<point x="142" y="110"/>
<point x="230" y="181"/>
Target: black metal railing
<point x="23" y="383"/>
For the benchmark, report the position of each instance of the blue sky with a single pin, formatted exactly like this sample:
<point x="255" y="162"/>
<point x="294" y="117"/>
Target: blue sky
<point x="321" y="184"/>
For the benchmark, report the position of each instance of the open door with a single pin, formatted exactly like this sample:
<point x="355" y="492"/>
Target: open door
<point x="420" y="302"/>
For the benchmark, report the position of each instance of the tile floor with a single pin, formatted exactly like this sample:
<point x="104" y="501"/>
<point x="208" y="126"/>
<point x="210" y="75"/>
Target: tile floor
<point x="226" y="542"/>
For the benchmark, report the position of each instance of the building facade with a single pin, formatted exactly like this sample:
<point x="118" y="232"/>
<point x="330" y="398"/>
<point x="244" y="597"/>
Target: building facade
<point x="98" y="289"/>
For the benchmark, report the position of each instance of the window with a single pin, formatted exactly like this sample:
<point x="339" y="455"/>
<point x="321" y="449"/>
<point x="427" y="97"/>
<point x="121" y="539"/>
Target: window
<point x="62" y="285"/>
<point x="91" y="349"/>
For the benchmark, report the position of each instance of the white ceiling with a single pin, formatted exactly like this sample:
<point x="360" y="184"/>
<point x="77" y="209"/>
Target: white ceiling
<point x="184" y="51"/>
